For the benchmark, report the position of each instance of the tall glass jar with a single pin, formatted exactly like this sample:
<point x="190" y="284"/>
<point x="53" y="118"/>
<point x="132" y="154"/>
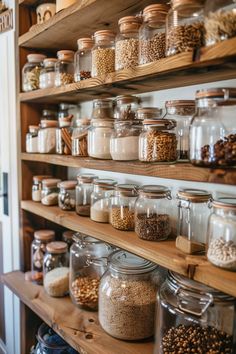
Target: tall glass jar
<point x="80" y="137"/>
<point x="127" y="42"/>
<point x="152" y="37"/>
<point x="103" y="53"/>
<point x="37" y="187"/>
<point x="126" y="107"/>
<point x="221" y="234"/>
<point x="47" y="137"/>
<point x="102" y="109"/>
<point x="83" y="59"/>
<point x="50" y="190"/>
<point x="184" y="26"/>
<point x="64" y="68"/>
<point x="47" y="74"/>
<point x="99" y="135"/>
<point x="83" y="193"/>
<point x="64" y="126"/>
<point x="31" y="71"/>
<point x="193" y="318"/>
<point x="31" y="145"/>
<point x="146" y="113"/>
<point x="66" y="196"/>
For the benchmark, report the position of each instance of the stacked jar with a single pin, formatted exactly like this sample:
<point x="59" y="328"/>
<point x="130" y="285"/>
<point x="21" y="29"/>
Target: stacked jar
<point x="83" y="59"/>
<point x="47" y="74"/>
<point x="63" y="134"/>
<point x="37" y="187"/>
<point x="31" y="145"/>
<point x="83" y="192"/>
<point x="64" y="68"/>
<point x="66" y="196"/>
<point x="80" y="137"/>
<point x="50" y="191"/>
<point x="31" y="72"/>
<point x="47" y="137"/>
<point x="103" y="53"/>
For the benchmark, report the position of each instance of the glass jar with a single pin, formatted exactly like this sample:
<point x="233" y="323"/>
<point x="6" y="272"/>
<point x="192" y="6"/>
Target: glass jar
<point x="184" y="26"/>
<point x="63" y="111"/>
<point x="212" y="130"/>
<point x="153" y="217"/>
<point x="47" y="74"/>
<point x="56" y="270"/>
<point x="50" y="191"/>
<point x="87" y="265"/>
<point x="100" y="199"/>
<point x="63" y="132"/>
<point x="66" y="196"/>
<point x="48" y="114"/>
<point x="158" y="142"/>
<point x="83" y="193"/>
<point x="31" y="71"/>
<point x="83" y="59"/>
<point x="99" y="135"/>
<point x="182" y="112"/>
<point x="80" y="137"/>
<point x="148" y="113"/>
<point x="47" y="137"/>
<point x="67" y="237"/>
<point x="221" y="234"/>
<point x="38" y="250"/>
<point x="126" y="107"/>
<point x="152" y="37"/>
<point x="102" y="109"/>
<point x="127" y="295"/>
<point x="103" y="53"/>
<point x="127" y="42"/>
<point x="64" y="68"/>
<point x="37" y="187"/>
<point x="31" y="145"/>
<point x="193" y="318"/>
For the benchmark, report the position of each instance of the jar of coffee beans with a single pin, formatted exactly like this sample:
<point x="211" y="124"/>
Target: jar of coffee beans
<point x="31" y="72"/>
<point x="83" y="59"/>
<point x="103" y="53"/>
<point x="64" y="68"/>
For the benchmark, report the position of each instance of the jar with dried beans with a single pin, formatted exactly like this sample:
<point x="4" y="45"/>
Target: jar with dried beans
<point x="103" y="53"/>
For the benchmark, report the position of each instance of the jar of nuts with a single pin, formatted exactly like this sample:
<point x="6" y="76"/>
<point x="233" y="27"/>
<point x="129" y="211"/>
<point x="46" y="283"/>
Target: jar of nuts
<point x="83" y="193"/>
<point x="64" y="68"/>
<point x="103" y="53"/>
<point x="126" y="107"/>
<point x="31" y="72"/>
<point x="66" y="196"/>
<point x="83" y="59"/>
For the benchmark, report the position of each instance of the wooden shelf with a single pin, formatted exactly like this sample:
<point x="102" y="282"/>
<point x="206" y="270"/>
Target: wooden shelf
<point x="79" y="328"/>
<point x="29" y="2"/>
<point x="162" y="253"/>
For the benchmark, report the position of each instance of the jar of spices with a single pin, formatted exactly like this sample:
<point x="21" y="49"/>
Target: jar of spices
<point x="158" y="142"/>
<point x="126" y="107"/>
<point x="148" y="113"/>
<point x="99" y="135"/>
<point x="83" y="193"/>
<point x="32" y="139"/>
<point x="127" y="42"/>
<point x="193" y="316"/>
<point x="56" y="270"/>
<point x="184" y="26"/>
<point x="83" y="59"/>
<point x="37" y="187"/>
<point x="47" y="137"/>
<point x="47" y="74"/>
<point x="212" y="130"/>
<point x="63" y="134"/>
<point x="64" y="68"/>
<point x="50" y="191"/>
<point x="31" y="71"/>
<point x="182" y="112"/>
<point x="102" y="109"/>
<point x="80" y="137"/>
<point x="66" y="197"/>
<point x="100" y="199"/>
<point x="221" y="234"/>
<point x="103" y="53"/>
<point x="67" y="237"/>
<point x="152" y="37"/>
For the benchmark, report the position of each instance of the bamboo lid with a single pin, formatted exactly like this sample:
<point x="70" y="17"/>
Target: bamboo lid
<point x="68" y="235"/>
<point x="67" y="185"/>
<point x="129" y="24"/>
<point x="85" y="43"/>
<point x="66" y="55"/>
<point x="57" y="247"/>
<point x="35" y="58"/>
<point x="44" y="235"/>
<point x="155" y="12"/>
<point x="38" y="179"/>
<point x="50" y="182"/>
<point x="194" y="195"/>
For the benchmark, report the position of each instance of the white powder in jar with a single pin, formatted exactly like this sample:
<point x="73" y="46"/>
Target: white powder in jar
<point x="47" y="141"/>
<point x="32" y="144"/>
<point x="47" y="80"/>
<point x="124" y="148"/>
<point x="36" y="195"/>
<point x="50" y="199"/>
<point x="99" y="143"/>
<point x="56" y="282"/>
<point x="100" y="211"/>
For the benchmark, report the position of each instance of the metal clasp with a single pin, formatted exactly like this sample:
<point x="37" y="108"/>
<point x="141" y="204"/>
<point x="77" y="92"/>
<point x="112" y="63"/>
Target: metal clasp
<point x="193" y="303"/>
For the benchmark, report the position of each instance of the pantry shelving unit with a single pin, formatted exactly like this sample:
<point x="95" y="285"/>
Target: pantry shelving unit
<point x="79" y="328"/>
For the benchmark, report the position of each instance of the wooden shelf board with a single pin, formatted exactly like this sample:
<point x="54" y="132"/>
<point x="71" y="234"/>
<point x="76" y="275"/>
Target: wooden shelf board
<point x="162" y="253"/>
<point x="29" y="2"/>
<point x="71" y="323"/>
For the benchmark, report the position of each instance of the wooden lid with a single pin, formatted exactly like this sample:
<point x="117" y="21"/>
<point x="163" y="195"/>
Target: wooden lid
<point x="68" y="235"/>
<point x="86" y="178"/>
<point x="51" y="182"/>
<point x="57" y="247"/>
<point x="44" y="235"/>
<point x="105" y="183"/>
<point x="154" y="191"/>
<point x="160" y="123"/>
<point x="66" y="55"/>
<point x="85" y="43"/>
<point x="129" y="190"/>
<point x="104" y="34"/>
<point x="33" y="128"/>
<point x="123" y="99"/>
<point x="35" y="58"/>
<point x="67" y="184"/>
<point x="175" y="103"/>
<point x="155" y="12"/>
<point x="225" y="203"/>
<point x="149" y="112"/>
<point x="49" y="62"/>
<point x="129" y="24"/>
<point x="195" y="3"/>
<point x="194" y="195"/>
<point x="38" y="179"/>
<point x="225" y="93"/>
<point x="44" y="123"/>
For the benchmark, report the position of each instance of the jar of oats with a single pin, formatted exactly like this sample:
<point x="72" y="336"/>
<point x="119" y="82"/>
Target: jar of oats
<point x="103" y="53"/>
<point x="64" y="68"/>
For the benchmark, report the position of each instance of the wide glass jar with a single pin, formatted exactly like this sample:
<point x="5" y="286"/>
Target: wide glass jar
<point x="102" y="109"/>
<point x="193" y="318"/>
<point x="152" y="36"/>
<point x="99" y="135"/>
<point x="63" y="135"/>
<point x="37" y="187"/>
<point x="50" y="190"/>
<point x="47" y="74"/>
<point x="184" y="26"/>
<point x="83" y="59"/>
<point x="56" y="270"/>
<point x="127" y="42"/>
<point x="80" y="137"/>
<point x="83" y="193"/>
<point x="212" y="130"/>
<point x="100" y="199"/>
<point x="145" y="113"/>
<point x="66" y="196"/>
<point x="221" y="234"/>
<point x="31" y="71"/>
<point x="31" y="145"/>
<point x="103" y="53"/>
<point x="64" y="68"/>
<point x="126" y="107"/>
<point x="47" y="137"/>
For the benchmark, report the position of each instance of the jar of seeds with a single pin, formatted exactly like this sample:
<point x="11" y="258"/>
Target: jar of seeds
<point x="99" y="135"/>
<point x="192" y="316"/>
<point x="63" y="134"/>
<point x="83" y="59"/>
<point x="50" y="191"/>
<point x="66" y="196"/>
<point x="37" y="187"/>
<point x="152" y="37"/>
<point x="31" y="145"/>
<point x="47" y="136"/>
<point x="47" y="74"/>
<point x="64" y="68"/>
<point x="184" y="26"/>
<point x="145" y="113"/>
<point x="103" y="53"/>
<point x="31" y="72"/>
<point x="83" y="193"/>
<point x="102" y="109"/>
<point x="126" y="107"/>
<point x="80" y="137"/>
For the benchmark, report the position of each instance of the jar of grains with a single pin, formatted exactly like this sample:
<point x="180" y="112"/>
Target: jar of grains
<point x="182" y="112"/>
<point x="127" y="42"/>
<point x="212" y="130"/>
<point x="126" y="107"/>
<point x="83" y="193"/>
<point x="152" y="37"/>
<point x="56" y="269"/>
<point x="47" y="136"/>
<point x="148" y="113"/>
<point x="66" y="196"/>
<point x="193" y="318"/>
<point x="103" y="53"/>
<point x="63" y="134"/>
<point x="47" y="74"/>
<point x="31" y="145"/>
<point x="221" y="234"/>
<point x="37" y="187"/>
<point x="102" y="109"/>
<point x="31" y="71"/>
<point x="64" y="68"/>
<point x="156" y="142"/>
<point x="83" y="59"/>
<point x="100" y="199"/>
<point x="127" y="297"/>
<point x="80" y="137"/>
<point x="50" y="190"/>
<point x="88" y="262"/>
<point x="184" y="26"/>
<point x="99" y="135"/>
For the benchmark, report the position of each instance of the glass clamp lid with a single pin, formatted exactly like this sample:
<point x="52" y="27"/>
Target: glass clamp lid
<point x="86" y="178"/>
<point x="194" y="195"/>
<point x="155" y="191"/>
<point x="129" y="190"/>
<point x="127" y="263"/>
<point x="160" y="124"/>
<point x="225" y="203"/>
<point x="221" y="96"/>
<point x="104" y="183"/>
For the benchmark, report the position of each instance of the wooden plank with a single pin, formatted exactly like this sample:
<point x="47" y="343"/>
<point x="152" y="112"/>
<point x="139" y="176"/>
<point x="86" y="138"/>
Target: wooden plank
<point x="29" y="2"/>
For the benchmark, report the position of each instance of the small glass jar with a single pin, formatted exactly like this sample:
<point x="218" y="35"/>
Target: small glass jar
<point x="158" y="142"/>
<point x="66" y="196"/>
<point x="83" y="193"/>
<point x="48" y="114"/>
<point x="182" y="112"/>
<point x="193" y="318"/>
<point x="37" y="187"/>
<point x="153" y="217"/>
<point x="126" y="107"/>
<point x="80" y="137"/>
<point x="127" y="297"/>
<point x="103" y="53"/>
<point x="67" y="237"/>
<point x="184" y="26"/>
<point x="127" y="42"/>
<point x="221" y="234"/>
<point x="50" y="191"/>
<point x="47" y="74"/>
<point x="56" y="269"/>
<point x="64" y="68"/>
<point x="47" y="137"/>
<point x="88" y="262"/>
<point x="83" y="59"/>
<point x="31" y="145"/>
<point x="145" y="113"/>
<point x="38" y="250"/>
<point x="99" y="135"/>
<point x="152" y="37"/>
<point x="63" y="111"/>
<point x="100" y="199"/>
<point x="102" y="109"/>
<point x="62" y="133"/>
<point x="31" y="71"/>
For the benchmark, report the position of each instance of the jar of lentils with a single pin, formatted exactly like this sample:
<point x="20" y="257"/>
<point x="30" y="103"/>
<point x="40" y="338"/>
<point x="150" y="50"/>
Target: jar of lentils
<point x="80" y="137"/>
<point x="83" y="59"/>
<point x="47" y="74"/>
<point x="126" y="107"/>
<point x="31" y="72"/>
<point x="66" y="196"/>
<point x="50" y="191"/>
<point x="103" y="53"/>
<point x="64" y="68"/>
<point x="83" y="193"/>
<point x="37" y="187"/>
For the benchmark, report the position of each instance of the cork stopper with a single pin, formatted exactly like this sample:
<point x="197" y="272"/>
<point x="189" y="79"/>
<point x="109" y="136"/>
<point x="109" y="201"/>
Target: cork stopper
<point x="85" y="43"/>
<point x="66" y="55"/>
<point x="44" y="235"/>
<point x="49" y="62"/>
<point x="44" y="123"/>
<point x="129" y="24"/>
<point x="57" y="247"/>
<point x="68" y="235"/>
<point x="193" y="3"/>
<point x="155" y="13"/>
<point x="35" y="58"/>
<point x="104" y="35"/>
<point x="50" y="182"/>
<point x="68" y="185"/>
